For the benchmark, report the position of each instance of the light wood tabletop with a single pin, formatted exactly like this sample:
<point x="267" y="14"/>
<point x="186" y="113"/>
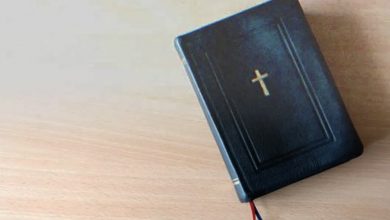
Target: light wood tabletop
<point x="99" y="121"/>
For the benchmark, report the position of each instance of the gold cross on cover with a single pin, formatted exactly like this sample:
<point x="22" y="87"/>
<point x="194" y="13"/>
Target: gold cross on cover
<point x="260" y="78"/>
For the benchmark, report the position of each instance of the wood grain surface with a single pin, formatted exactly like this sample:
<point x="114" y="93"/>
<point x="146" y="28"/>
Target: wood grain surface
<point x="98" y="119"/>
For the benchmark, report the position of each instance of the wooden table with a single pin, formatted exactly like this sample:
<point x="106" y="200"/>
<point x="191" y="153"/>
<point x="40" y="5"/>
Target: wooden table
<point x="98" y="119"/>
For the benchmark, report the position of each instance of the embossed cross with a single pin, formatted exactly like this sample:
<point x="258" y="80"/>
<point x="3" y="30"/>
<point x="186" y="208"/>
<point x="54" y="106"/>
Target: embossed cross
<point x="260" y="78"/>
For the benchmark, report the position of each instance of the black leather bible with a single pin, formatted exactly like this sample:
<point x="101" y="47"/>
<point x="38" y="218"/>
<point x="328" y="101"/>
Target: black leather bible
<point x="268" y="96"/>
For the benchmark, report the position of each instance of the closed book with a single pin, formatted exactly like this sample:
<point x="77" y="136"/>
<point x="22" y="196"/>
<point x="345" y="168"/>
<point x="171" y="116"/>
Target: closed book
<point x="269" y="98"/>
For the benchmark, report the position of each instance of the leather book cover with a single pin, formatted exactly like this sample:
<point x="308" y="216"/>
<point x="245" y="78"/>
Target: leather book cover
<point x="268" y="96"/>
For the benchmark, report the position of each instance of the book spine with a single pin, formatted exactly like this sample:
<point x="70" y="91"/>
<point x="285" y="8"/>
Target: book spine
<point x="242" y="195"/>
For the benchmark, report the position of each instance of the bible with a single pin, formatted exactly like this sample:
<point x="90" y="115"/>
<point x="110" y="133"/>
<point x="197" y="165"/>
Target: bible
<point x="268" y="97"/>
